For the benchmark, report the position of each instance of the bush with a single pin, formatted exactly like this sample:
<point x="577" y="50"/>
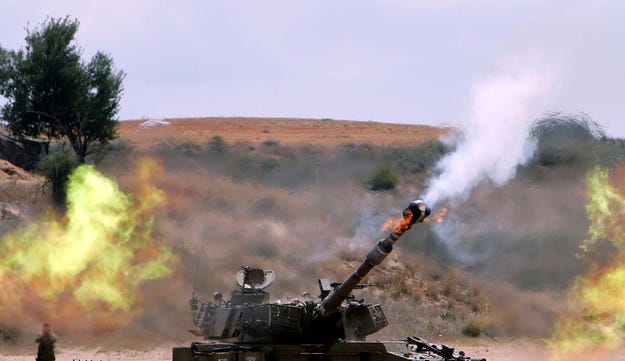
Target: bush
<point x="101" y="151"/>
<point x="472" y="329"/>
<point x="418" y="158"/>
<point x="176" y="148"/>
<point x="56" y="167"/>
<point x="384" y="178"/>
<point x="566" y="139"/>
<point x="270" y="143"/>
<point x="217" y="145"/>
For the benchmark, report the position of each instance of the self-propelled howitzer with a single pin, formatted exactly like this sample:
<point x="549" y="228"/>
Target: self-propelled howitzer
<point x="250" y="328"/>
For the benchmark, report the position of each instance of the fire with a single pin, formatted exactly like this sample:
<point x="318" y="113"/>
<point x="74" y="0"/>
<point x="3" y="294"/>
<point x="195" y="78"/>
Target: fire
<point x="404" y="223"/>
<point x="596" y="321"/>
<point x="397" y="223"/>
<point x="390" y="223"/>
<point x="438" y="217"/>
<point x="86" y="267"/>
<point x="393" y="222"/>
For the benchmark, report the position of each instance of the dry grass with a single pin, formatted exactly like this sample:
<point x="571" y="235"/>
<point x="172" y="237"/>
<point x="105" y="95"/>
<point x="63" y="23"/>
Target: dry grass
<point x="17" y="191"/>
<point x="17" y="197"/>
<point x="283" y="130"/>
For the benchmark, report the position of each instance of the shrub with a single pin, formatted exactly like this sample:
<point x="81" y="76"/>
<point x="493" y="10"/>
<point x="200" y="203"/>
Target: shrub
<point x="384" y="178"/>
<point x="418" y="158"/>
<point x="56" y="167"/>
<point x="102" y="151"/>
<point x="566" y="139"/>
<point x="472" y="329"/>
<point x="217" y="145"/>
<point x="175" y="148"/>
<point x="270" y="143"/>
<point x="189" y="148"/>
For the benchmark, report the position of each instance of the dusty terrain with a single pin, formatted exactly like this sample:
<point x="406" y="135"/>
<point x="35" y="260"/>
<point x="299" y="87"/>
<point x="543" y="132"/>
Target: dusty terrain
<point x="287" y="219"/>
<point x="497" y="350"/>
<point x="146" y="133"/>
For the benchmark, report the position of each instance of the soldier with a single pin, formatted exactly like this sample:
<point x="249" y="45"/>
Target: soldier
<point x="46" y="341"/>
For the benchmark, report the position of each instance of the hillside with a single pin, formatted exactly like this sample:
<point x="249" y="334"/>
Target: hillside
<point x="291" y="195"/>
<point x="145" y="133"/>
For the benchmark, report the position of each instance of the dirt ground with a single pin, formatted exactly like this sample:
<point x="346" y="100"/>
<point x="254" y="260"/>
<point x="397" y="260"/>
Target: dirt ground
<point x="526" y="350"/>
<point x="149" y="132"/>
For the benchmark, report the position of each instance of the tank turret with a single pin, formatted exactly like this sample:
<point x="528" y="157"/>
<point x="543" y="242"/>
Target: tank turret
<point x="416" y="212"/>
<point x="248" y="321"/>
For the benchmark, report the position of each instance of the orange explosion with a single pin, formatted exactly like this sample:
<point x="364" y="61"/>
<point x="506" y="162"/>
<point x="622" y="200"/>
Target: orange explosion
<point x="86" y="267"/>
<point x="595" y="323"/>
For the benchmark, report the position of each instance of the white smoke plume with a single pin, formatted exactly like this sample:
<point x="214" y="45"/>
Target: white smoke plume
<point x="495" y="136"/>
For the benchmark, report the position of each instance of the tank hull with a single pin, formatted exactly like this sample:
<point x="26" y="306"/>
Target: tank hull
<point x="337" y="351"/>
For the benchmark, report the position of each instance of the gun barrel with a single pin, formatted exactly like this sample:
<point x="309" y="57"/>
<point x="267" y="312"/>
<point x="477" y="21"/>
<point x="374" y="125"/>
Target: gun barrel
<point x="416" y="212"/>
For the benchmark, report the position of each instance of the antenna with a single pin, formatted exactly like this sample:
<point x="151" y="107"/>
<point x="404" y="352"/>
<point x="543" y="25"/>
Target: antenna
<point x="199" y="256"/>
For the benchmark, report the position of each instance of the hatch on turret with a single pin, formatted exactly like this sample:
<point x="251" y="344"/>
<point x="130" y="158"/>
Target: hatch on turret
<point x="255" y="278"/>
<point x="252" y="283"/>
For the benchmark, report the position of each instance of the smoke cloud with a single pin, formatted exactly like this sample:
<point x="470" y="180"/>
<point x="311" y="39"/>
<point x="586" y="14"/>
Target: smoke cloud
<point x="89" y="266"/>
<point x="495" y="139"/>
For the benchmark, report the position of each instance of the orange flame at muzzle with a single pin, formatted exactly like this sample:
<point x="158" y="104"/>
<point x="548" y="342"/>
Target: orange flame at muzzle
<point x="399" y="223"/>
<point x="439" y="217"/>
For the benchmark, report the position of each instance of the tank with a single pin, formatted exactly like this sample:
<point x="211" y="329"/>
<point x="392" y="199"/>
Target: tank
<point x="248" y="327"/>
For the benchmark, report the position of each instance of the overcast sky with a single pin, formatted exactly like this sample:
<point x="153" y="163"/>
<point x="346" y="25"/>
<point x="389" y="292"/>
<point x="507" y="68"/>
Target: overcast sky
<point x="402" y="61"/>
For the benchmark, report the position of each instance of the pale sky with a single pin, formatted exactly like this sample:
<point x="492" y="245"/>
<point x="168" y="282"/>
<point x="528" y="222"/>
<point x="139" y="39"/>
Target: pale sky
<point x="399" y="61"/>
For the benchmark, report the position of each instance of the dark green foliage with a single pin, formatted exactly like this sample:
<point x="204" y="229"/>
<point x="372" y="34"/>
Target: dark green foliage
<point x="189" y="148"/>
<point x="472" y="329"/>
<point x="384" y="178"/>
<point x="417" y="158"/>
<point x="575" y="141"/>
<point x="115" y="149"/>
<point x="566" y="139"/>
<point x="564" y="127"/>
<point x="56" y="167"/>
<point x="292" y="166"/>
<point x="177" y="149"/>
<point x="609" y="152"/>
<point x="51" y="92"/>
<point x="217" y="145"/>
<point x="270" y="143"/>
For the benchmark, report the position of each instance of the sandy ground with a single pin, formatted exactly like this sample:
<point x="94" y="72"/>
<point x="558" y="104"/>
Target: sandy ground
<point x="160" y="354"/>
<point x="491" y="350"/>
<point x="147" y="133"/>
<point x="510" y="350"/>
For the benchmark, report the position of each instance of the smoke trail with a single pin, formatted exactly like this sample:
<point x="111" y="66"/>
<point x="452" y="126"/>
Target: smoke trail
<point x="495" y="139"/>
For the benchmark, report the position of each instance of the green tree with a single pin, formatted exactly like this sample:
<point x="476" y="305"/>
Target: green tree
<point x="51" y="92"/>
